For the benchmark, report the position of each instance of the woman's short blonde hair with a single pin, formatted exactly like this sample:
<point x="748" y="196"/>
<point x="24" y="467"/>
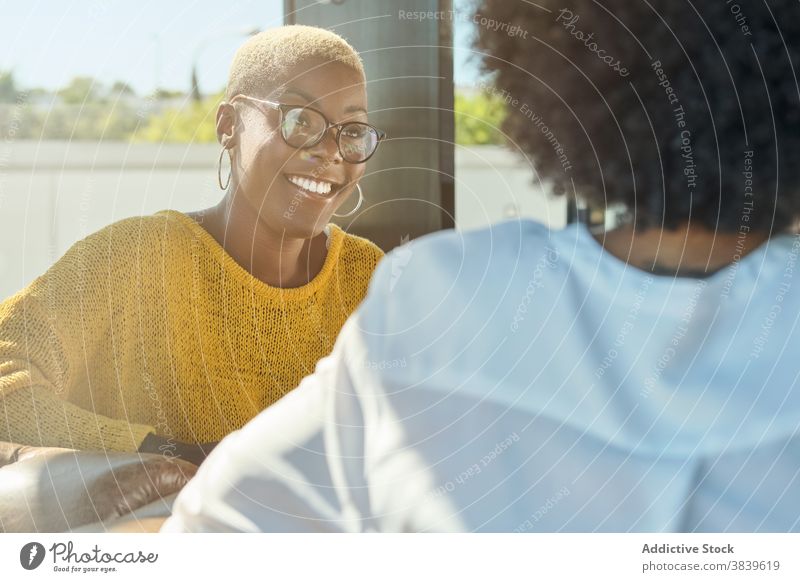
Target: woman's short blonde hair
<point x="262" y="61"/>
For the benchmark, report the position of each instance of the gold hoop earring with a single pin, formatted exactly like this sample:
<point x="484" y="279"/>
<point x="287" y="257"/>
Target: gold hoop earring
<point x="219" y="170"/>
<point x="354" y="210"/>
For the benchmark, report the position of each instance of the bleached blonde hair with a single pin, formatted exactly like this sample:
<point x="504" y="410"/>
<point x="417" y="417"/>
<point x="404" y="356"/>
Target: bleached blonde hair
<point x="261" y="63"/>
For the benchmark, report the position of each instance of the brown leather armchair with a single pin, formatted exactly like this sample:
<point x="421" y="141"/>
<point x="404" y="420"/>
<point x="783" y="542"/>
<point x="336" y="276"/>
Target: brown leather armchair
<point x="56" y="490"/>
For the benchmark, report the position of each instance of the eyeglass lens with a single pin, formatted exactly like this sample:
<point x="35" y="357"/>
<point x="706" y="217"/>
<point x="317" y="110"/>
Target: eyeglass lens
<point x="304" y="127"/>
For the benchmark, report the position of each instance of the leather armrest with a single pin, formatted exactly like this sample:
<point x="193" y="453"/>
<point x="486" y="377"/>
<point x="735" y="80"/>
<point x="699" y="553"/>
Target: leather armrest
<point x="146" y="519"/>
<point x="55" y="490"/>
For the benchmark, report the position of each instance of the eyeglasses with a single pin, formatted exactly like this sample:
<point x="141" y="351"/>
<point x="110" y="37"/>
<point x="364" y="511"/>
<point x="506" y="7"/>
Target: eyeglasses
<point x="305" y="127"/>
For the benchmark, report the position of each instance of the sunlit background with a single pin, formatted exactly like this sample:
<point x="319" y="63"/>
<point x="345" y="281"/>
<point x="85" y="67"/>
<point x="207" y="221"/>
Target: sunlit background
<point x="107" y="111"/>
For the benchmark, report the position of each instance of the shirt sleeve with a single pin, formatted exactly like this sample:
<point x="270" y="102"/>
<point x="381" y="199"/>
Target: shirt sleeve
<point x="34" y="372"/>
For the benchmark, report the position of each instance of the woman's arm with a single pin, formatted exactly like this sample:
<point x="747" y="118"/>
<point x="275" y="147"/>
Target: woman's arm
<point x="34" y="372"/>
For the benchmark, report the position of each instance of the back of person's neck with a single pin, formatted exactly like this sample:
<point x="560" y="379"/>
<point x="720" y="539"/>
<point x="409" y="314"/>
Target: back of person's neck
<point x="690" y="250"/>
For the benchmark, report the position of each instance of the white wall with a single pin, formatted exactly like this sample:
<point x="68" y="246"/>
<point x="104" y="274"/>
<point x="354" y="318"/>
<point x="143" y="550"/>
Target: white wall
<point x="55" y="193"/>
<point x="494" y="184"/>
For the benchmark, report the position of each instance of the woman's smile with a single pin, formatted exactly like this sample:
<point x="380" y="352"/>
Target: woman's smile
<point x="314" y="187"/>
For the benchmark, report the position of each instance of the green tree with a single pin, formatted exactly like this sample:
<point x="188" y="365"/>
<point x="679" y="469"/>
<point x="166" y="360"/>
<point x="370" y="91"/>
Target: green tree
<point x="90" y="122"/>
<point x="8" y="88"/>
<point x="81" y="90"/>
<point x="478" y="118"/>
<point x="167" y="94"/>
<point x="195" y="122"/>
<point x="120" y="88"/>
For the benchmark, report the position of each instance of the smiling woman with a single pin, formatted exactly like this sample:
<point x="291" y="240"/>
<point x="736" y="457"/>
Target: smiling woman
<point x="164" y="333"/>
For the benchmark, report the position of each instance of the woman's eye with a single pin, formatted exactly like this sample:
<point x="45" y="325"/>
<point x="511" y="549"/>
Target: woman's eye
<point x="354" y="131"/>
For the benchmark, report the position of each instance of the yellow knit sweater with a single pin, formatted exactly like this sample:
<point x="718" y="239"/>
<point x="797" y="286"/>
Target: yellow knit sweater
<point x="150" y="326"/>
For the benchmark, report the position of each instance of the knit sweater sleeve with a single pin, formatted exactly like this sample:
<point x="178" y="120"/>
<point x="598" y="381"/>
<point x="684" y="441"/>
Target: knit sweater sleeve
<point x="35" y="372"/>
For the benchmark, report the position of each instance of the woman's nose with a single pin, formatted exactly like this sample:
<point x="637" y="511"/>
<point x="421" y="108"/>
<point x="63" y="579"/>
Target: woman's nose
<point x="328" y="148"/>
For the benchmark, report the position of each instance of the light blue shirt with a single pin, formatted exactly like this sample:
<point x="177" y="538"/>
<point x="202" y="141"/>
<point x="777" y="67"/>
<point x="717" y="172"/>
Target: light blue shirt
<point x="522" y="379"/>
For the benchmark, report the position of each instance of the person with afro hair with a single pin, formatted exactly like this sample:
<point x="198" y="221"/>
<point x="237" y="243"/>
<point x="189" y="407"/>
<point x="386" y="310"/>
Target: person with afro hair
<point x="695" y="137"/>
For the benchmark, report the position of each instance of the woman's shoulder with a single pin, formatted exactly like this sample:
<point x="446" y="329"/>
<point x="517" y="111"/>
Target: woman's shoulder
<point x="127" y="238"/>
<point x="357" y="249"/>
<point x="111" y="256"/>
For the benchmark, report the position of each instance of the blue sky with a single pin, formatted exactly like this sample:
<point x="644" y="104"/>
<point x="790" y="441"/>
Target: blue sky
<point x="46" y="43"/>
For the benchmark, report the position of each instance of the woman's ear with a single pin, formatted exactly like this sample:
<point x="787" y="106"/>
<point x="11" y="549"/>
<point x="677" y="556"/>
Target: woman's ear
<point x="226" y="124"/>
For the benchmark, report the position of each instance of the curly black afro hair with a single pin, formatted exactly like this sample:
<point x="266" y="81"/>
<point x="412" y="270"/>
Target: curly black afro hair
<point x="681" y="110"/>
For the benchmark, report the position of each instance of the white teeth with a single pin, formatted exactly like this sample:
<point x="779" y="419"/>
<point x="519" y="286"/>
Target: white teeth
<point x="318" y="187"/>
